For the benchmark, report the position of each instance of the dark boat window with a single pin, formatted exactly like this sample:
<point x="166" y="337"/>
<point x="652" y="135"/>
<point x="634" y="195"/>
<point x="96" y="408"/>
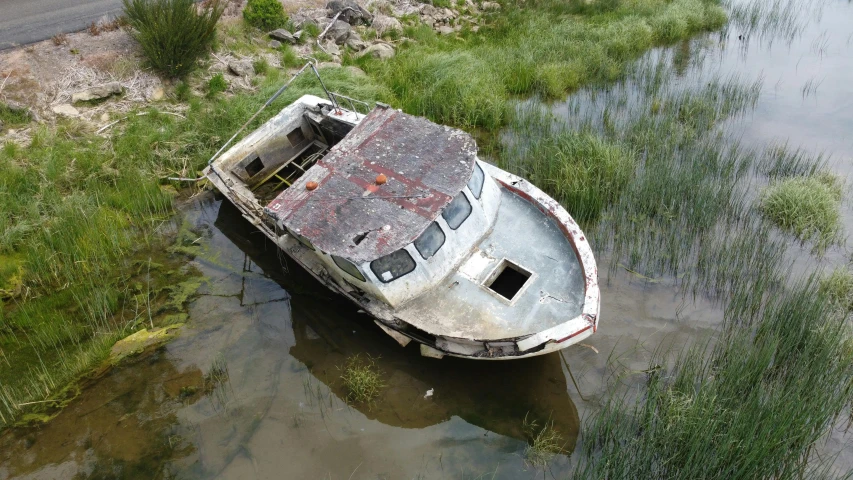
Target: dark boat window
<point x="254" y="167"/>
<point x="476" y="182"/>
<point x="430" y="241"/>
<point x="457" y="211"/>
<point x="348" y="267"/>
<point x="393" y="266"/>
<point x="296" y="137"/>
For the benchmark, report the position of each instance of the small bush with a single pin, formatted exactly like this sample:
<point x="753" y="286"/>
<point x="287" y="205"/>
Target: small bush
<point x="183" y="91"/>
<point x="808" y="207"/>
<point x="311" y="30"/>
<point x="265" y="14"/>
<point x="172" y="33"/>
<point x="261" y="66"/>
<point x="94" y="30"/>
<point x="362" y="379"/>
<point x="838" y="288"/>
<point x="216" y="84"/>
<point x="289" y="58"/>
<point x="60" y="39"/>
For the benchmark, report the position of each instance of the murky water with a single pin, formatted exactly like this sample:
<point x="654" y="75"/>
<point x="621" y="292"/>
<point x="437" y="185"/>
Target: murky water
<point x="252" y="389"/>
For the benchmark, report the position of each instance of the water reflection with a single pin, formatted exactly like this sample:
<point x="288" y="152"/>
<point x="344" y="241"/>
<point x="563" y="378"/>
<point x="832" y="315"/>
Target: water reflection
<point x="252" y="389"/>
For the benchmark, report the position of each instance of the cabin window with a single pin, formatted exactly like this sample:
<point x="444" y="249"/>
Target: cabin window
<point x="476" y="182"/>
<point x="507" y="279"/>
<point x="348" y="267"/>
<point x="255" y="166"/>
<point x="304" y="241"/>
<point x="296" y="137"/>
<point x="430" y="241"/>
<point x="457" y="211"/>
<point x="393" y="266"/>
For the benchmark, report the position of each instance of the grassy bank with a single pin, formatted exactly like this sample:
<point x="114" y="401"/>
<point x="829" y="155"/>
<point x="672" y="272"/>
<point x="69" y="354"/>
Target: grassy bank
<point x="84" y="216"/>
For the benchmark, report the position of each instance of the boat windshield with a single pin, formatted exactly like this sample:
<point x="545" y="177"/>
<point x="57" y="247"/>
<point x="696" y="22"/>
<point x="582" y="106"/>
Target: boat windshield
<point x="476" y="182"/>
<point x="430" y="241"/>
<point x="393" y="266"/>
<point x="457" y="211"/>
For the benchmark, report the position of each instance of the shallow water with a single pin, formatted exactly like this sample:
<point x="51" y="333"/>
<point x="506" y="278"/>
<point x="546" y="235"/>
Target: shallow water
<point x="251" y="388"/>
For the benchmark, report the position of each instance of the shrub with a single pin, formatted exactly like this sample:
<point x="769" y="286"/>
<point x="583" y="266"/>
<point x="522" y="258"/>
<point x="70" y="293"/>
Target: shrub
<point x="808" y="207"/>
<point x="172" y="33"/>
<point x="216" y="84"/>
<point x="265" y="14"/>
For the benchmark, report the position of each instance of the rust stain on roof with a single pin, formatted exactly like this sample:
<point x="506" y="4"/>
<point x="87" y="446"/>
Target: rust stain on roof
<point x="349" y="215"/>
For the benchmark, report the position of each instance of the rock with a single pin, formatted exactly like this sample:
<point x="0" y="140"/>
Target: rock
<point x="298" y="35"/>
<point x="384" y="23"/>
<point x="97" y="93"/>
<point x="445" y="30"/>
<point x="475" y="28"/>
<point x="351" y="12"/>
<point x="274" y="44"/>
<point x="490" y="6"/>
<point x="331" y="48"/>
<point x="241" y="68"/>
<point x="355" y="42"/>
<point x="105" y="117"/>
<point x="158" y="94"/>
<point x="283" y="36"/>
<point x="339" y="32"/>
<point x="382" y="51"/>
<point x="66" y="110"/>
<point x="428" y="10"/>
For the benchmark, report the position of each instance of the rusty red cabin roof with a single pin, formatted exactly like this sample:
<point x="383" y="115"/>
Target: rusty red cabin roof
<point x="348" y="215"/>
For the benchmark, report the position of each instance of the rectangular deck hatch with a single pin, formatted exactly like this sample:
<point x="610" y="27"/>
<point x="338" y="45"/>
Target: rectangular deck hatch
<point x="508" y="279"/>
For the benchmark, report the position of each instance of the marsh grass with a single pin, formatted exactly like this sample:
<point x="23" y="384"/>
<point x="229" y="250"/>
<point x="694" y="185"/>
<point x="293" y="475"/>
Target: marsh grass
<point x="544" y="442"/>
<point x="362" y="379"/>
<point x="81" y="215"/>
<point x="807" y="206"/>
<point x="539" y="49"/>
<point x="838" y="288"/>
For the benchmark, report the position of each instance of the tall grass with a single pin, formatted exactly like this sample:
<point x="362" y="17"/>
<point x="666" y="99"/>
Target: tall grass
<point x="806" y="206"/>
<point x="542" y="49"/>
<point x="80" y="218"/>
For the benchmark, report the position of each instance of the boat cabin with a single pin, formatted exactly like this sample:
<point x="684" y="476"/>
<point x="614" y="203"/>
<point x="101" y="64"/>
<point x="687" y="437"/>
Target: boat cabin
<point x="394" y="207"/>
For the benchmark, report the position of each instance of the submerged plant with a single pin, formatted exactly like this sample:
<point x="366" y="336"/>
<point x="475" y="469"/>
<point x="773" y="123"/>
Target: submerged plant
<point x="362" y="379"/>
<point x="808" y="207"/>
<point x="544" y="442"/>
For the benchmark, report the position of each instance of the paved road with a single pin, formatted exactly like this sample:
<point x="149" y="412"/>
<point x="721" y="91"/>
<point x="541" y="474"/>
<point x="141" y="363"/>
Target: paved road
<point x="28" y="21"/>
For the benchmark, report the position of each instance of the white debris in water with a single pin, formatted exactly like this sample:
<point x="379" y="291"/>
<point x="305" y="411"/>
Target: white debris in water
<point x="429" y="393"/>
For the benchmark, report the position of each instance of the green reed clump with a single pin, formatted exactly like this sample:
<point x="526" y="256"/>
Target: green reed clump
<point x="838" y="288"/>
<point x="173" y="34"/>
<point x="583" y="171"/>
<point x="362" y="379"/>
<point x="808" y="207"/>
<point x="753" y="406"/>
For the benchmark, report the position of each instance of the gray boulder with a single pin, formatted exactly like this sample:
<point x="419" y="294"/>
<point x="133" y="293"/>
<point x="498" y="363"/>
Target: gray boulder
<point x="355" y="42"/>
<point x="96" y="93"/>
<point x="351" y="12"/>
<point x="283" y="36"/>
<point x="274" y="44"/>
<point x="382" y="51"/>
<point x="65" y="110"/>
<point x="241" y="68"/>
<point x="339" y="32"/>
<point x="384" y="23"/>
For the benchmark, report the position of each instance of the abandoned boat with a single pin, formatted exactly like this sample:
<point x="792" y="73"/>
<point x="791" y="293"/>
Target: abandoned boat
<point x="399" y="215"/>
